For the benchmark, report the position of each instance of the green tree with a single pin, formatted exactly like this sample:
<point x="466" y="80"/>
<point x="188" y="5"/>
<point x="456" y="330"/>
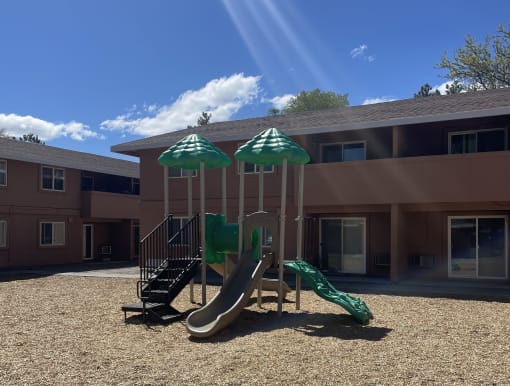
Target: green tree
<point x="273" y="111"/>
<point x="425" y="91"/>
<point x="30" y="137"/>
<point x="315" y="100"/>
<point x="481" y="66"/>
<point x="204" y="118"/>
<point x="454" y="88"/>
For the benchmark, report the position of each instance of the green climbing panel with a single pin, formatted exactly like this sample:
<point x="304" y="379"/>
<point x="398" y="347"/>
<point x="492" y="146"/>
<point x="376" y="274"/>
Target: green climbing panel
<point x="322" y="287"/>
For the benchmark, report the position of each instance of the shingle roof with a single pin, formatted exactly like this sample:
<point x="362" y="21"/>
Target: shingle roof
<point x="54" y="156"/>
<point x="402" y="112"/>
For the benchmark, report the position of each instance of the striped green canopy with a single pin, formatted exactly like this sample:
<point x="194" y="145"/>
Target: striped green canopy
<point x="190" y="151"/>
<point x="271" y="147"/>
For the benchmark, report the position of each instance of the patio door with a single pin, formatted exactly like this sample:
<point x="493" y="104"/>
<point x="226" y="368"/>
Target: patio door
<point x="88" y="241"/>
<point x="478" y="247"/>
<point x="343" y="245"/>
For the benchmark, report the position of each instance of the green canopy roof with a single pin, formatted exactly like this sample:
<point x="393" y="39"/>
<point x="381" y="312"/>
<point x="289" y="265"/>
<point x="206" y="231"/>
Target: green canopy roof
<point x="271" y="147"/>
<point x="190" y="151"/>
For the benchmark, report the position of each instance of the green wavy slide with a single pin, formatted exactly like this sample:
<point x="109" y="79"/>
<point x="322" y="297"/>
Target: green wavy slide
<point x="322" y="287"/>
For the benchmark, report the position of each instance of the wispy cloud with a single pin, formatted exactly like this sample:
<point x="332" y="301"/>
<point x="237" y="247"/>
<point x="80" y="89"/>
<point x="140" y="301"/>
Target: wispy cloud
<point x="221" y="97"/>
<point x="371" y="101"/>
<point x="358" y="51"/>
<point x="361" y="53"/>
<point x="17" y="125"/>
<point x="279" y="102"/>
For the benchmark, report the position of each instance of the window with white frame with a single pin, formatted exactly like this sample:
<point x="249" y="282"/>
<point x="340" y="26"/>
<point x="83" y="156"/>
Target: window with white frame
<point x="52" y="233"/>
<point x="178" y="172"/>
<point x="475" y="141"/>
<point x="52" y="178"/>
<point x="3" y="172"/>
<point x="252" y="168"/>
<point x="3" y="234"/>
<point x="343" y="152"/>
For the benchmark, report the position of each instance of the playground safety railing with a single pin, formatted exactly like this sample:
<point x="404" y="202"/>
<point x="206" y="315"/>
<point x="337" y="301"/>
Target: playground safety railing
<point x="166" y="253"/>
<point x="154" y="248"/>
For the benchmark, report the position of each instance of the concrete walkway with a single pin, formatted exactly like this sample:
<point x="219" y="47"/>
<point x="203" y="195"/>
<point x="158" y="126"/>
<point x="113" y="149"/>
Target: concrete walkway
<point x="465" y="289"/>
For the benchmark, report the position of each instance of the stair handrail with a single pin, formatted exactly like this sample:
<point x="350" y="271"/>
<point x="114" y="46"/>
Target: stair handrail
<point x="153" y="248"/>
<point x="174" y="251"/>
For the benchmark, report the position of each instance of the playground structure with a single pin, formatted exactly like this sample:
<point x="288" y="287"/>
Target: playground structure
<point x="218" y="239"/>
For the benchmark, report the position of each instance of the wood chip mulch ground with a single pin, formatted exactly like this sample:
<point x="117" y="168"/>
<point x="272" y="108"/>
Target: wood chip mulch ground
<point x="62" y="330"/>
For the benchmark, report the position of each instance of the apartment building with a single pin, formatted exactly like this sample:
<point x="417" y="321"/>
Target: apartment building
<point x="413" y="187"/>
<point x="61" y="206"/>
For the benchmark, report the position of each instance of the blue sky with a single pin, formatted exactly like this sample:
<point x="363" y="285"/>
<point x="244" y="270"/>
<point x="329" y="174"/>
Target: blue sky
<point x="86" y="75"/>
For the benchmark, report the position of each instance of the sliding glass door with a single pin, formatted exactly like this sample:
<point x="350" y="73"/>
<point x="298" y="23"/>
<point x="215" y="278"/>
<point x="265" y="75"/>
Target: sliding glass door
<point x="478" y="247"/>
<point x="343" y="245"/>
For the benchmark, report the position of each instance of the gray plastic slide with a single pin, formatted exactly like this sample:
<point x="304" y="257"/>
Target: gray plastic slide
<point x="228" y="303"/>
<point x="267" y="284"/>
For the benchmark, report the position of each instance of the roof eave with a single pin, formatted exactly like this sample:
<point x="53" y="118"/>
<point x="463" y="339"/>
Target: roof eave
<point x="134" y="149"/>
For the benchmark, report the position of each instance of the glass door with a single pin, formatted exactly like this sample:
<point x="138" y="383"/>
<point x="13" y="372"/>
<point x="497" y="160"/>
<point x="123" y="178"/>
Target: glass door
<point x="353" y="246"/>
<point x="343" y="245"/>
<point x="477" y="247"/>
<point x="491" y="247"/>
<point x="88" y="241"/>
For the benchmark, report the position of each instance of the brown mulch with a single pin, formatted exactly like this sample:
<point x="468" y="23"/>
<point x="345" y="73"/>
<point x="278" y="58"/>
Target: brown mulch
<point x="70" y="331"/>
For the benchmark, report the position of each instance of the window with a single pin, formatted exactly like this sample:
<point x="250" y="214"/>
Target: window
<point x="3" y="172"/>
<point x="135" y="185"/>
<point x="52" y="178"/>
<point x="252" y="168"/>
<point x="87" y="183"/>
<point x="52" y="233"/>
<point x="477" y="141"/>
<point x="478" y="247"/>
<point x="342" y="152"/>
<point x="178" y="172"/>
<point x="3" y="234"/>
<point x="342" y="245"/>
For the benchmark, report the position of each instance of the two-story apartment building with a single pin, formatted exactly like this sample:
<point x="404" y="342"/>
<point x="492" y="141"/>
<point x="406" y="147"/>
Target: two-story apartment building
<point x="410" y="187"/>
<point x="62" y="206"/>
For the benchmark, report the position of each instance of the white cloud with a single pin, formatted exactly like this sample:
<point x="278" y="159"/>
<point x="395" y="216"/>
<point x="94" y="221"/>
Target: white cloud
<point x="355" y="52"/>
<point x="371" y="101"/>
<point x="17" y="125"/>
<point x="279" y="102"/>
<point x="221" y="97"/>
<point x="361" y="53"/>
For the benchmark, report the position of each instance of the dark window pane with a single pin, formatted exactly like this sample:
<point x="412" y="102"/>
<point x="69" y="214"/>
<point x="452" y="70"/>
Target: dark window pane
<point x="46" y="233"/>
<point x="249" y="168"/>
<point x="174" y="172"/>
<point x="463" y="143"/>
<point x="58" y="183"/>
<point x="354" y="152"/>
<point x="3" y="172"/>
<point x="332" y="153"/>
<point x="493" y="140"/>
<point x="47" y="178"/>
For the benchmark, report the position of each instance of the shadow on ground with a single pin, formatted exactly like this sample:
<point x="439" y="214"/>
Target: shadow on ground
<point x="340" y="326"/>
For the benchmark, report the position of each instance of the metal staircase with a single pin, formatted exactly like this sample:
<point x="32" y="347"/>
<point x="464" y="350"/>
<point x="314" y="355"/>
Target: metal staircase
<point x="168" y="261"/>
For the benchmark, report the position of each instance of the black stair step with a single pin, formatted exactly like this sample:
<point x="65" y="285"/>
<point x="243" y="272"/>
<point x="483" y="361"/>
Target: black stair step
<point x="156" y="291"/>
<point x="158" y="312"/>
